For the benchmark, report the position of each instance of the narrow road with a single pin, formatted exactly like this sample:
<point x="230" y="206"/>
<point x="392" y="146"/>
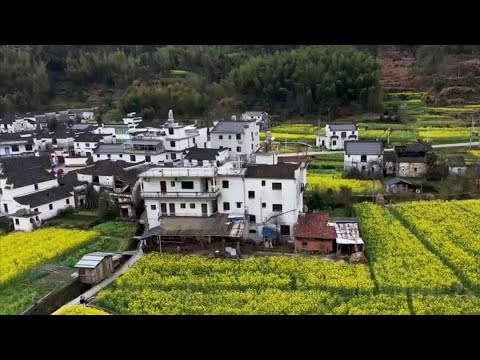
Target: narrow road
<point x="436" y="146"/>
<point x="94" y="290"/>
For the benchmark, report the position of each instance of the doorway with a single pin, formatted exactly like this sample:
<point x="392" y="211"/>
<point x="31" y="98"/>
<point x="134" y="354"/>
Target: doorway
<point x="163" y="186"/>
<point x="172" y="209"/>
<point x="163" y="209"/>
<point x="204" y="210"/>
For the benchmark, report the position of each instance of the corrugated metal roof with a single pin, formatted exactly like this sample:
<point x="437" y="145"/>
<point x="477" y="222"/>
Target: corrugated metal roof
<point x="363" y="147"/>
<point x="90" y="261"/>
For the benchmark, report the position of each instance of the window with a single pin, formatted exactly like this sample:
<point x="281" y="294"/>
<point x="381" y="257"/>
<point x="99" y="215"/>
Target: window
<point x="221" y="147"/>
<point x="170" y="131"/>
<point x="121" y="155"/>
<point x="17" y="222"/>
<point x="192" y="206"/>
<point x="200" y="162"/>
<point x="264" y="205"/>
<point x="153" y="207"/>
<point x="415" y="170"/>
<point x="239" y="149"/>
<point x="229" y="137"/>
<point x="239" y="136"/>
<point x="344" y="134"/>
<point x="28" y="147"/>
<point x="15" y="148"/>
<point x="35" y="186"/>
<point x="334" y="133"/>
<point x="252" y="231"/>
<point x="50" y="207"/>
<point x="187" y="184"/>
<point x="172" y="143"/>
<point x="284" y="229"/>
<point x="363" y="158"/>
<point x="304" y="245"/>
<point x="220" y="137"/>
<point x="109" y="156"/>
<point x="277" y="207"/>
<point x="36" y="210"/>
<point x="251" y="218"/>
<point x="87" y="144"/>
<point x="183" y="206"/>
<point x="353" y="132"/>
<point x="36" y="217"/>
<point x="225" y="184"/>
<point x="252" y="146"/>
<point x="78" y="145"/>
<point x="148" y="158"/>
<point x="193" y="140"/>
<point x="67" y="201"/>
<point x="172" y="183"/>
<point x="239" y="205"/>
<point x="251" y="194"/>
<point x="363" y="168"/>
<point x="334" y="142"/>
<point x="226" y="206"/>
<point x="98" y="156"/>
<point x="132" y="158"/>
<point x="264" y="182"/>
<point x="229" y="149"/>
<point x="174" y="156"/>
<point x="276" y="186"/>
<point x="166" y="156"/>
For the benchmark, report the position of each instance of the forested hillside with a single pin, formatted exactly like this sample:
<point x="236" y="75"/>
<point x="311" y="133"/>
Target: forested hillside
<point x="217" y="80"/>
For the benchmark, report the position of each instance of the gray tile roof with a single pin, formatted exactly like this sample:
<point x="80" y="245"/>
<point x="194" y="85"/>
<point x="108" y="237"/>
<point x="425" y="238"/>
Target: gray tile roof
<point x="44" y="197"/>
<point x="363" y="147"/>
<point x="88" y="137"/>
<point x="343" y="127"/>
<point x="456" y="161"/>
<point x="278" y="171"/>
<point x="202" y="154"/>
<point x="231" y="127"/>
<point x="396" y="180"/>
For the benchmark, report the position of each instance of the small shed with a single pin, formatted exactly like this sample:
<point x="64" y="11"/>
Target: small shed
<point x="313" y="233"/>
<point x="399" y="185"/>
<point x="456" y="165"/>
<point x="348" y="239"/>
<point x="94" y="267"/>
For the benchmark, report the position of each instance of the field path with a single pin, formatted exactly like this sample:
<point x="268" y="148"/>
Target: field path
<point x="94" y="290"/>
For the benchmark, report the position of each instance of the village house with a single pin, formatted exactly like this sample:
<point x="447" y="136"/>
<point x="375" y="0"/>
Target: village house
<point x="17" y="144"/>
<point x="336" y="135"/>
<point x="314" y="234"/>
<point x="135" y="150"/>
<point x="402" y="186"/>
<point x="82" y="128"/>
<point x="260" y="117"/>
<point x="411" y="159"/>
<point x="86" y="114"/>
<point x="118" y="131"/>
<point x="241" y="138"/>
<point x="29" y="190"/>
<point x="132" y="119"/>
<point x="17" y="124"/>
<point x="365" y="156"/>
<point x="457" y="165"/>
<point x="85" y="143"/>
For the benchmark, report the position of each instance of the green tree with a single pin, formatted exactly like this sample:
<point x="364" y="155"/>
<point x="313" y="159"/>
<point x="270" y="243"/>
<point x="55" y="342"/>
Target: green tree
<point x="112" y="115"/>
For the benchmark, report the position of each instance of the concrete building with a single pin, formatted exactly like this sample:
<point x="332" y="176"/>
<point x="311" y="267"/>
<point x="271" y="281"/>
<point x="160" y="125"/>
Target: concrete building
<point x="133" y="151"/>
<point x="85" y="143"/>
<point x="260" y="117"/>
<point x="17" y="144"/>
<point x="457" y="165"/>
<point x="241" y="138"/>
<point x="336" y="135"/>
<point x="365" y="156"/>
<point x="411" y="159"/>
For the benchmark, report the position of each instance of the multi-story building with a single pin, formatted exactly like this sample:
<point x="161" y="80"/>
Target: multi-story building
<point x="118" y="131"/>
<point x="365" y="156"/>
<point x="260" y="117"/>
<point x="336" y="135"/>
<point x="241" y="138"/>
<point x="150" y="151"/>
<point x="85" y="143"/>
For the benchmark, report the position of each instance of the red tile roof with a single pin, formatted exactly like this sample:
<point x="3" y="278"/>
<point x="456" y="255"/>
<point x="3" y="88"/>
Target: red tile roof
<point x="314" y="226"/>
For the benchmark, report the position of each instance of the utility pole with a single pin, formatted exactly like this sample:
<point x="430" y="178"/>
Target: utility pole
<point x="388" y="141"/>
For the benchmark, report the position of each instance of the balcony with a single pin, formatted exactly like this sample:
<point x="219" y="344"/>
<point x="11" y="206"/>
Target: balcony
<point x="180" y="195"/>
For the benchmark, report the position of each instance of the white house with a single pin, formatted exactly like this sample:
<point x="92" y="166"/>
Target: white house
<point x="271" y="196"/>
<point x="82" y="114"/>
<point x="85" y="143"/>
<point x="241" y="138"/>
<point x="132" y="119"/>
<point x="118" y="131"/>
<point x="336" y="135"/>
<point x="365" y="156"/>
<point x="16" y="144"/>
<point x="30" y="193"/>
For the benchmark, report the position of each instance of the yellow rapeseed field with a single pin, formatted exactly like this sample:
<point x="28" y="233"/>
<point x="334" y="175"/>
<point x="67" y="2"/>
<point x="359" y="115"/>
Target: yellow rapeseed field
<point x="79" y="310"/>
<point x="22" y="251"/>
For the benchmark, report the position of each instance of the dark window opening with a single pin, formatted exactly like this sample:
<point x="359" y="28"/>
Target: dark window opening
<point x="239" y="136"/>
<point x="239" y="205"/>
<point x="153" y="207"/>
<point x="264" y="205"/>
<point x="17" y="222"/>
<point x="35" y="186"/>
<point x="50" y="207"/>
<point x="15" y="148"/>
<point x="276" y="207"/>
<point x="226" y="206"/>
<point x="28" y="147"/>
<point x="67" y="201"/>
<point x="183" y="206"/>
<point x="172" y="143"/>
<point x="276" y="186"/>
<point x="263" y="182"/>
<point x="220" y="137"/>
<point x="285" y="229"/>
<point x="187" y="184"/>
<point x="192" y="206"/>
<point x="148" y="158"/>
<point x="251" y="194"/>
<point x="344" y="134"/>
<point x="363" y="158"/>
<point x="252" y="218"/>
<point x="170" y="131"/>
<point x="172" y="183"/>
<point x="252" y="231"/>
<point x="132" y="158"/>
<point x="225" y="184"/>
